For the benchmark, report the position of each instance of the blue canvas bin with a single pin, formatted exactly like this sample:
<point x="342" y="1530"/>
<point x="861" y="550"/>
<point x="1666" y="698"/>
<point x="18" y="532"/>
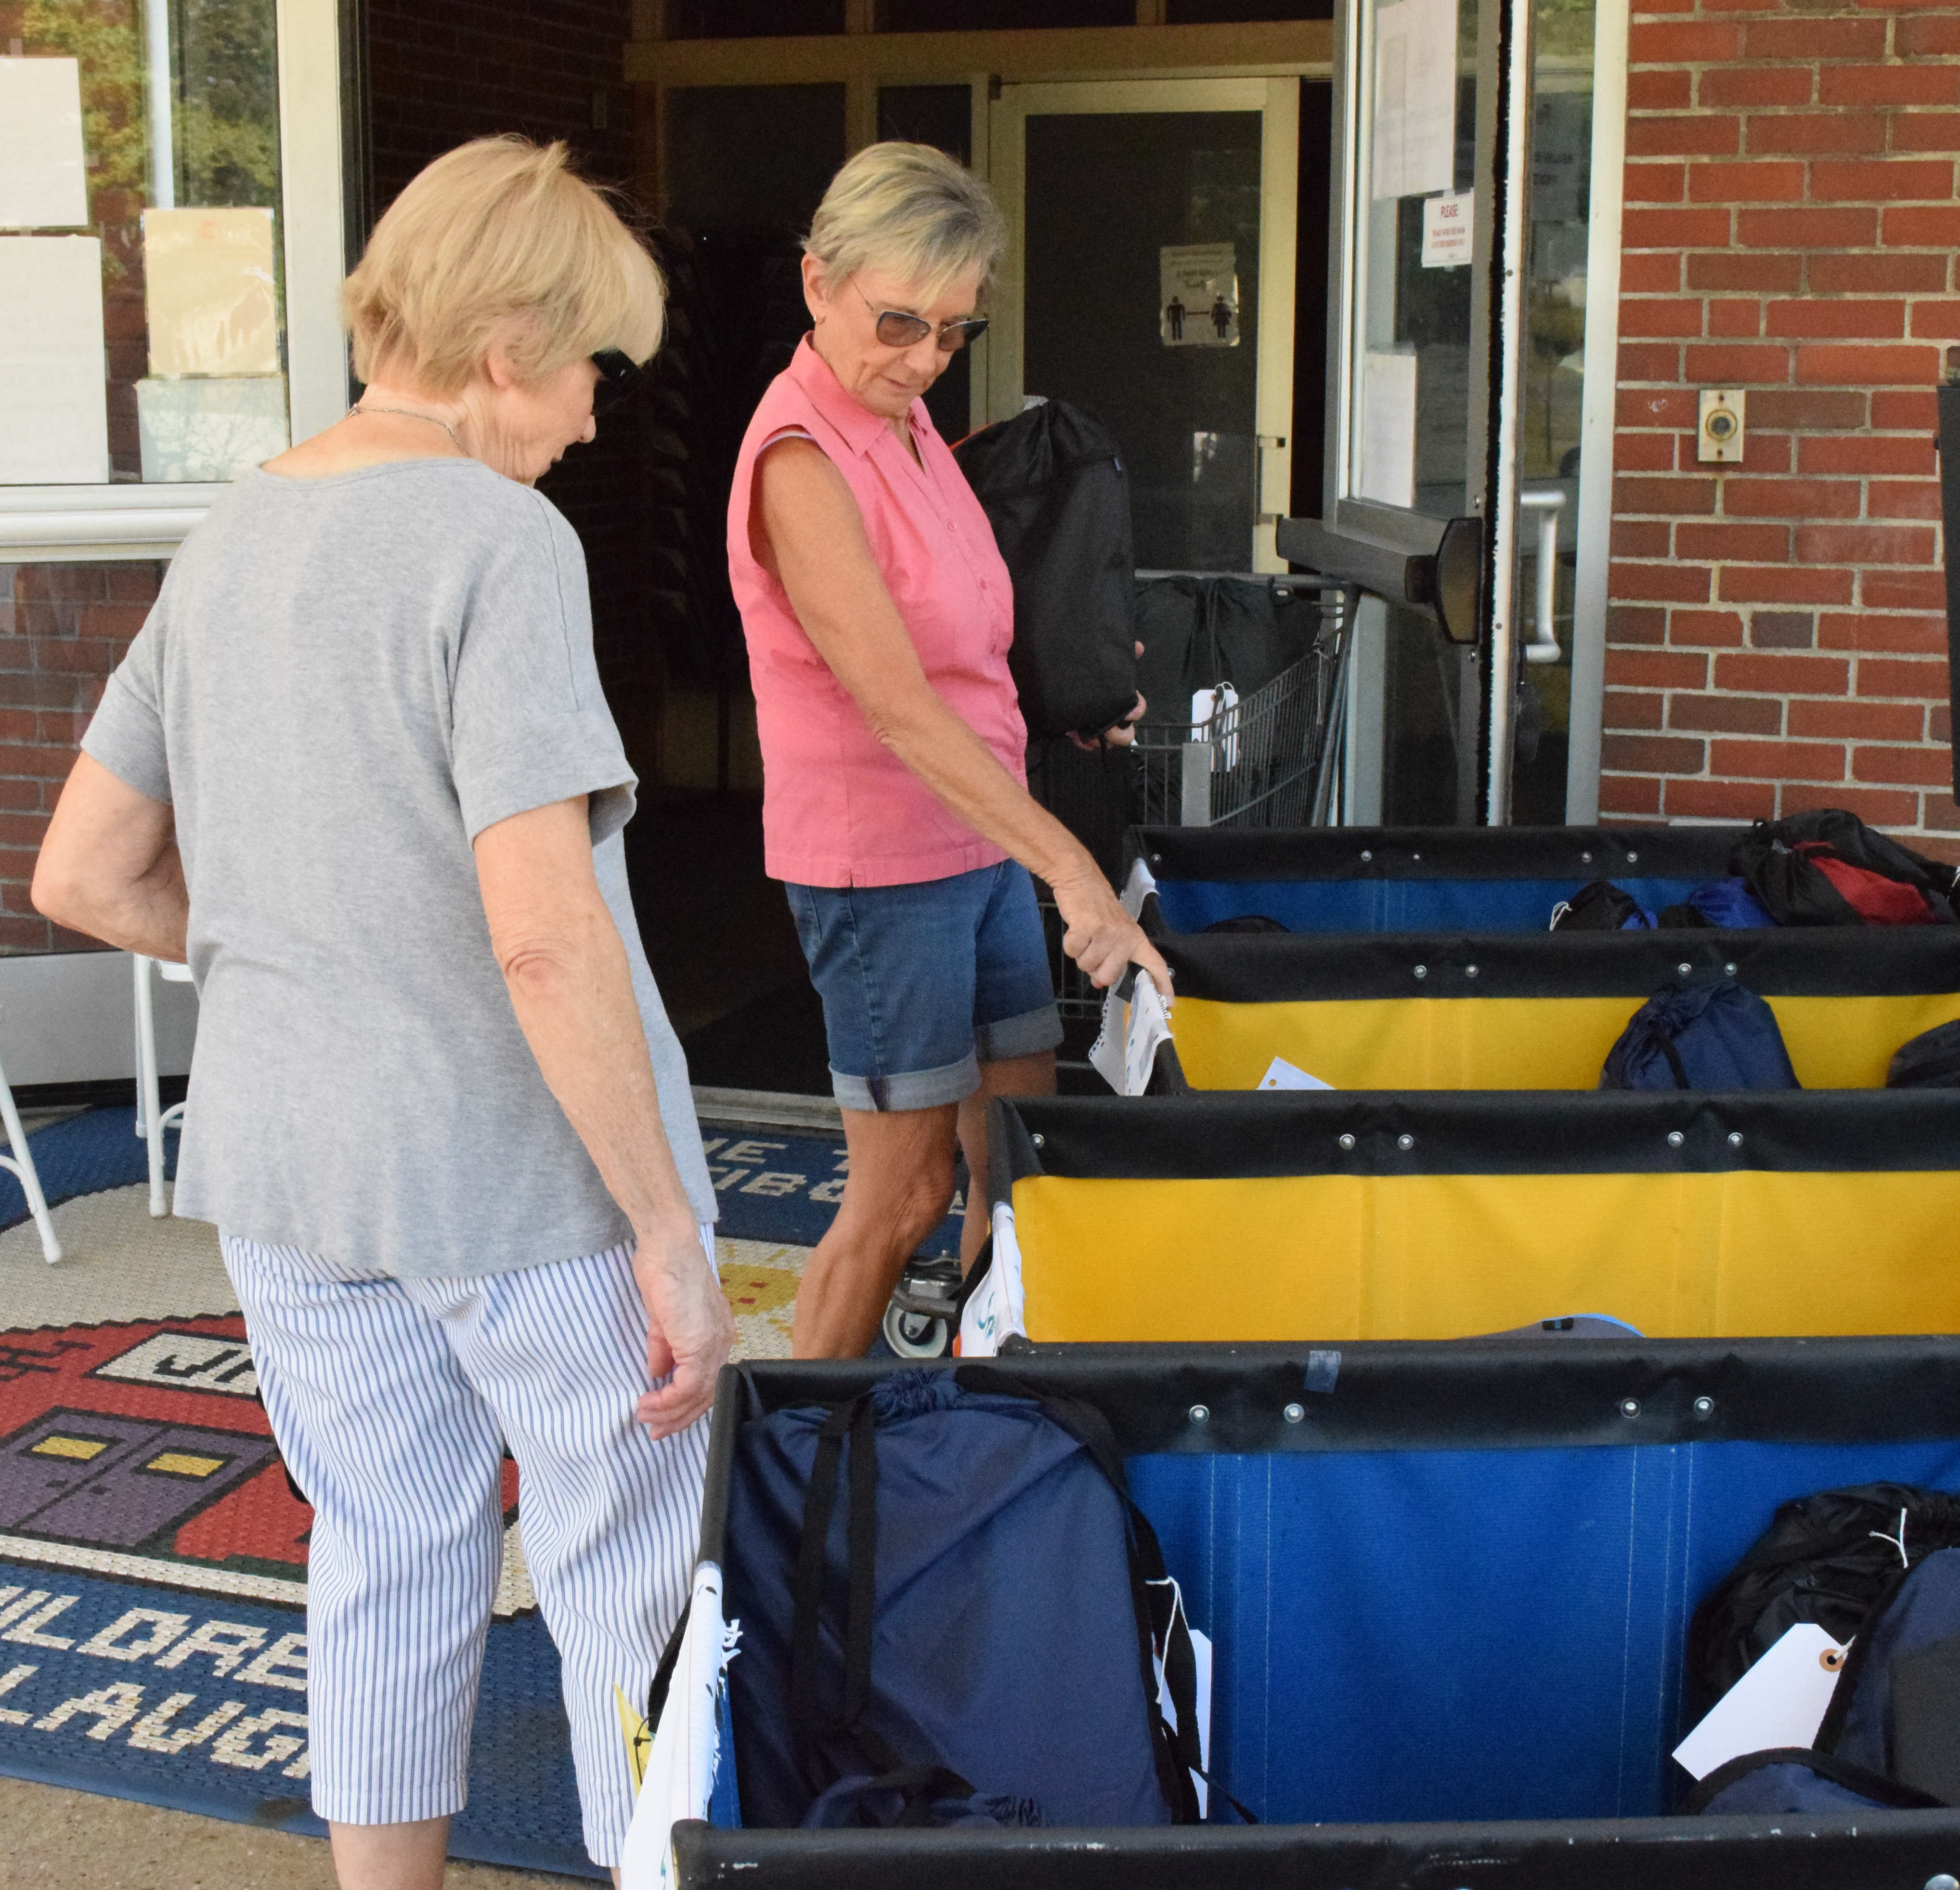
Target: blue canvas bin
<point x="1448" y="1587"/>
<point x="1415" y="879"/>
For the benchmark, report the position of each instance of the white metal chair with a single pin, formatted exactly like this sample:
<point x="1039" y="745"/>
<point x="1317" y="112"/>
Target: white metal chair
<point x="152" y="1120"/>
<point x="20" y="1163"/>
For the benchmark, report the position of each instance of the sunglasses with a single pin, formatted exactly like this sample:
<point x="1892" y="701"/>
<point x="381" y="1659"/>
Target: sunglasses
<point x="897" y="329"/>
<point x="619" y="375"/>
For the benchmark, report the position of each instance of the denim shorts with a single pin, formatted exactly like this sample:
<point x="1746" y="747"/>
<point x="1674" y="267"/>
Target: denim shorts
<point x="922" y="984"/>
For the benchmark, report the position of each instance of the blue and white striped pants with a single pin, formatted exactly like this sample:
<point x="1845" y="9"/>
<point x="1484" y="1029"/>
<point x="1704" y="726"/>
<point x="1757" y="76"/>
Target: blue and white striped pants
<point x="392" y="1400"/>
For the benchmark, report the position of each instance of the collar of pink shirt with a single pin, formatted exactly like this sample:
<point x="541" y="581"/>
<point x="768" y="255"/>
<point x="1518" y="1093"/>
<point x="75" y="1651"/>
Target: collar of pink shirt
<point x="858" y="425"/>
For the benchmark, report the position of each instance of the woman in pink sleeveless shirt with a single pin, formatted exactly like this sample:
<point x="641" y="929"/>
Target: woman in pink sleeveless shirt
<point x="878" y="614"/>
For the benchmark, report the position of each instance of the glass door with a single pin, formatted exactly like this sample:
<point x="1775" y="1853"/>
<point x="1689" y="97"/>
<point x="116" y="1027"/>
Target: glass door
<point x="1150" y="280"/>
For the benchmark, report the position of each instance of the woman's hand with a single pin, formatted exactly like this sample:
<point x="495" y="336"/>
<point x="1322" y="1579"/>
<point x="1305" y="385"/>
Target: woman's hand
<point x="690" y="1328"/>
<point x="1100" y="936"/>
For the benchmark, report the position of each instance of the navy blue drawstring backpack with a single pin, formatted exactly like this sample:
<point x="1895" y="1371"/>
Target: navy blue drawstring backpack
<point x="1715" y="1036"/>
<point x="970" y="1635"/>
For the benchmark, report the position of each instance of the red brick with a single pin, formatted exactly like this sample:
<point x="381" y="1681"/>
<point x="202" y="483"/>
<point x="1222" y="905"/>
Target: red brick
<point x="1675" y="229"/>
<point x="1869" y="721"/>
<point x="1735" y="317"/>
<point x="1641" y="318"/>
<point x="1924" y="130"/>
<point x="1808" y="409"/>
<point x="1767" y="182"/>
<point x="1658" y="668"/>
<point x="1732" y="269"/>
<point x="15" y="793"/>
<point x="1936" y="321"/>
<point x="1839" y="275"/>
<point x="1674" y="498"/>
<point x="1769" y="453"/>
<point x="1808" y="39"/>
<point x="1913" y="408"/>
<point x="1643" y="452"/>
<point x="1899" y="676"/>
<point x="1926" y="38"/>
<point x="1750" y="544"/>
<point x="1700" y="42"/>
<point x="1901" y="84"/>
<point x="1636" y="623"/>
<point x="1664" y="583"/>
<point x="1878" y="807"/>
<point x="1792" y="584"/>
<point x="1656" y="407"/>
<point x="1902" y="498"/>
<point x="1824" y="365"/>
<point x="1625" y="708"/>
<point x="1812" y="227"/>
<point x="1783" y="629"/>
<point x="1650" y="361"/>
<point x="1655" y="183"/>
<point x="1924" y="225"/>
<point x="1642" y="538"/>
<point x="1753" y="85"/>
<point x="1779" y="133"/>
<point x="1628" y="794"/>
<point x="1865" y="452"/>
<point x="1881" y="321"/>
<point x="1883" y="630"/>
<point x="1735" y="363"/>
<point x="1721" y="800"/>
<point x="1898" y="180"/>
<point x="1663" y="91"/>
<point x="1902" y="590"/>
<point x="1864" y="544"/>
<point x="1758" y="673"/>
<point x="1939" y="811"/>
<point x="1657" y="273"/>
<point x="1726" y="715"/>
<point x="1789" y="498"/>
<point x="1704" y="629"/>
<point x="1939" y="722"/>
<point x="1919" y="767"/>
<point x="122" y="620"/>
<point x="1703" y="134"/>
<point x="1778" y="761"/>
<point x="1651" y="755"/>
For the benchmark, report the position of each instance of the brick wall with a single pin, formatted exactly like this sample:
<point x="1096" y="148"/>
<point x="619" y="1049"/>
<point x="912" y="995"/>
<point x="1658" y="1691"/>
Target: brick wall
<point x="1776" y="636"/>
<point x="63" y="628"/>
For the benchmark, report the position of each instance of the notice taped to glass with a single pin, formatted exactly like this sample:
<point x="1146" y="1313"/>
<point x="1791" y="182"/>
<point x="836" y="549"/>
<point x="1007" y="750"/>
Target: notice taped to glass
<point x="1197" y="295"/>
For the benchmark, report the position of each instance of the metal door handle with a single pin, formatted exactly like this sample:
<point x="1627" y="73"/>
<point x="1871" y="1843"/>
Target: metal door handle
<point x="1548" y="502"/>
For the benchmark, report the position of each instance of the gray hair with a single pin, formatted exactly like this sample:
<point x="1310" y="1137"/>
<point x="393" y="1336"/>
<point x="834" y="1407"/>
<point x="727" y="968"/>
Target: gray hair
<point x="912" y="212"/>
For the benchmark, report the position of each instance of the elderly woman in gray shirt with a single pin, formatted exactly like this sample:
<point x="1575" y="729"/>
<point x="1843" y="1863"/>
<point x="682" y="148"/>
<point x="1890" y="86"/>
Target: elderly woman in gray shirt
<point x="357" y="771"/>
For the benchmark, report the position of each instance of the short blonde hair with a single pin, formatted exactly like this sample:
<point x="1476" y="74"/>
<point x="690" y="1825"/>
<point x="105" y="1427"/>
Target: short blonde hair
<point x="912" y="212"/>
<point x="496" y="228"/>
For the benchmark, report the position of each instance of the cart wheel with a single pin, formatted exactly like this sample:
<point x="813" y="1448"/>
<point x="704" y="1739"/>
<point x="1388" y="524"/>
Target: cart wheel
<point x="916" y="1334"/>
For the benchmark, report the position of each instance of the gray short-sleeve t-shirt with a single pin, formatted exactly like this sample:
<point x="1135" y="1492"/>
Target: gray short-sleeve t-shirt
<point x="344" y="681"/>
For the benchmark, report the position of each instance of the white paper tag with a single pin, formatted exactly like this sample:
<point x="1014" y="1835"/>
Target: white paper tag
<point x="1779" y="1702"/>
<point x="1447" y="225"/>
<point x="1282" y="1075"/>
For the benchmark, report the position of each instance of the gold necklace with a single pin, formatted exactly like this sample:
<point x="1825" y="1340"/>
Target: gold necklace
<point x="405" y="414"/>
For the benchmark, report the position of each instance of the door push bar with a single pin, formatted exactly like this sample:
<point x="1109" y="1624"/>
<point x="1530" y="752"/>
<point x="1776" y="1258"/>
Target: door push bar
<point x="1431" y="566"/>
<point x="1548" y="502"/>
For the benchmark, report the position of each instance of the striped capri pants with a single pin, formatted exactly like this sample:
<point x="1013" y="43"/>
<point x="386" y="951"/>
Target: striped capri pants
<point x="392" y="1400"/>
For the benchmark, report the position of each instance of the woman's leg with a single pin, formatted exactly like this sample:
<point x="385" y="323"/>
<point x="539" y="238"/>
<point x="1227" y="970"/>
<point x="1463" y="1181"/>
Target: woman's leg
<point x="896" y="1190"/>
<point x="401" y="1462"/>
<point x="1032" y="1075"/>
<point x="611" y="1519"/>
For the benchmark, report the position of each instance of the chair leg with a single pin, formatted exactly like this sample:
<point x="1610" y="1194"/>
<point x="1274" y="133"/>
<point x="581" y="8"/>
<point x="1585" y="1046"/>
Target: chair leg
<point x="141" y="966"/>
<point x="148" y="1102"/>
<point x="21" y="1163"/>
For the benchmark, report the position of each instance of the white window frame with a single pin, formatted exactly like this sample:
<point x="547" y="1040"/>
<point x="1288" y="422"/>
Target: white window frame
<point x="41" y="524"/>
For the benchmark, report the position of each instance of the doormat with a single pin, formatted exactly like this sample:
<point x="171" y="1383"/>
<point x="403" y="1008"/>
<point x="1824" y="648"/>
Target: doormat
<point x="152" y="1556"/>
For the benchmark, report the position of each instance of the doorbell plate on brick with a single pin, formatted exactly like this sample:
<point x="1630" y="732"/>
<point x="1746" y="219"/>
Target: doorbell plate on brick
<point x="1719" y="439"/>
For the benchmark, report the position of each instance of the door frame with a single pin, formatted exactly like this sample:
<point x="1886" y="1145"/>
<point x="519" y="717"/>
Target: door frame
<point x="997" y="382"/>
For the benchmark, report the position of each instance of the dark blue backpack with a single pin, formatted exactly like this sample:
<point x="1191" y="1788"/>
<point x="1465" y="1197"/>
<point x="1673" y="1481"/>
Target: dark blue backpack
<point x="1715" y="1036"/>
<point x="969" y="1636"/>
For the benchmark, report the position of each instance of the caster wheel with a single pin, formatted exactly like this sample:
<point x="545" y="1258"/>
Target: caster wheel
<point x="916" y="1334"/>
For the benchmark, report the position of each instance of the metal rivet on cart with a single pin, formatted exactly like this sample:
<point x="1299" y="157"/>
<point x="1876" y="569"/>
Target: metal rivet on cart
<point x="1631" y="858"/>
<point x="1347" y="1142"/>
<point x="1415" y="856"/>
<point x="1675" y="1138"/>
<point x="1405" y="1142"/>
<point x="1942" y="1882"/>
<point x="1704" y="1406"/>
<point x="1201" y="1413"/>
<point x="1629" y="1407"/>
<point x="1735" y="1138"/>
<point x="1728" y="971"/>
<point x="1294" y="1414"/>
<point x="1587" y="858"/>
<point x="1367" y="853"/>
<point x="1422" y="971"/>
<point x="1039" y="1140"/>
<point x="1469" y="971"/>
<point x="1684" y="969"/>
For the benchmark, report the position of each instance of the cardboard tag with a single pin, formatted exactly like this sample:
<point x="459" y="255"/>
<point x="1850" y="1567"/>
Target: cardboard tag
<point x="1282" y="1075"/>
<point x="1781" y="1701"/>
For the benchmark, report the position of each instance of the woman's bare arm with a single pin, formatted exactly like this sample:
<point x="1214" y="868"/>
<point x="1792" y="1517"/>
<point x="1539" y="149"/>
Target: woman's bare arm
<point x="109" y="866"/>
<point x="805" y="527"/>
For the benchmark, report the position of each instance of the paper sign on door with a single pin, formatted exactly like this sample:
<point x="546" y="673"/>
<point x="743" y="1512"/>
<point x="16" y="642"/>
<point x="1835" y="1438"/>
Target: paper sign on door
<point x="1447" y="225"/>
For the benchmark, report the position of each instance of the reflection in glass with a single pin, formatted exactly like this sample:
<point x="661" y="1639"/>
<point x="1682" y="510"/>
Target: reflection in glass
<point x="180" y="116"/>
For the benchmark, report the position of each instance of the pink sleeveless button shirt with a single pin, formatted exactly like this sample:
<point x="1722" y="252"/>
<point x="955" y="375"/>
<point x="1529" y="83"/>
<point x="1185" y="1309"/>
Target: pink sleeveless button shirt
<point x="838" y="807"/>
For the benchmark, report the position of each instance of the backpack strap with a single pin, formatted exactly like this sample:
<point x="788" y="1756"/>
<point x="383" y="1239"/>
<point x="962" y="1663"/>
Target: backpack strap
<point x="1673" y="1056"/>
<point x="1888" y="1791"/>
